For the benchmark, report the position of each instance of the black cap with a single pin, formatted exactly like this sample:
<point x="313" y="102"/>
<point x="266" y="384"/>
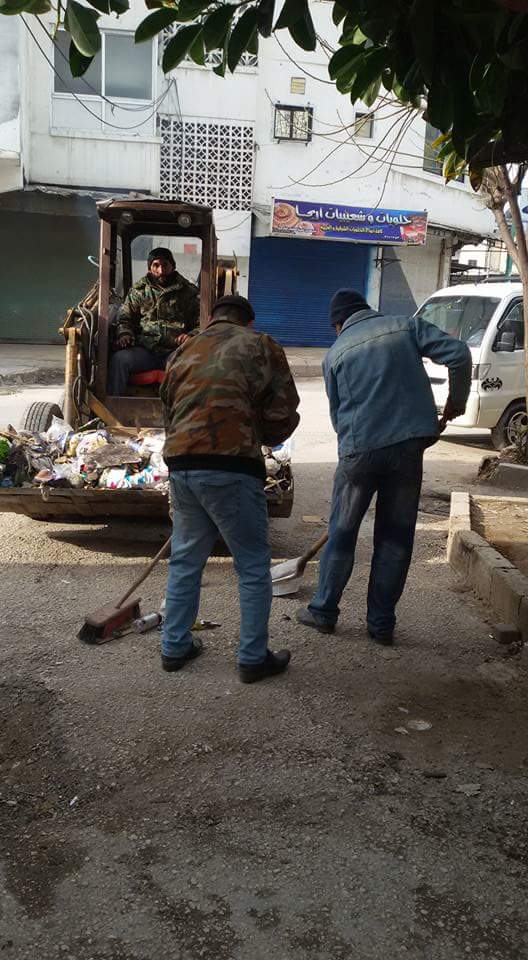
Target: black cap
<point x="232" y="300"/>
<point x="161" y="253"/>
<point x="344" y="303"/>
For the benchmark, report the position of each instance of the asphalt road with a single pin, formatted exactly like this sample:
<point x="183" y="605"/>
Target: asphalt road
<point x="370" y="804"/>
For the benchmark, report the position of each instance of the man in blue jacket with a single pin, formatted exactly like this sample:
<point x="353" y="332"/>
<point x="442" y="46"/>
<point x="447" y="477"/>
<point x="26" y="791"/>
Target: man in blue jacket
<point x="383" y="411"/>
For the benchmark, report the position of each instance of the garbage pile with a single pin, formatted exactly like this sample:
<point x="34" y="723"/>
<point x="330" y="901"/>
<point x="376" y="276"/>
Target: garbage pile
<point x="278" y="467"/>
<point x="62" y="457"/>
<point x="101" y="457"/>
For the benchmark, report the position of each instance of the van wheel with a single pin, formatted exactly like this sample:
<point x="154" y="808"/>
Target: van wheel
<point x="507" y="429"/>
<point x="38" y="416"/>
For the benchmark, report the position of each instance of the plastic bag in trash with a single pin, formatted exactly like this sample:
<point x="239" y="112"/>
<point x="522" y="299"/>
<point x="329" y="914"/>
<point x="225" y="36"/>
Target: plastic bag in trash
<point x="91" y="441"/>
<point x="142" y="479"/>
<point x="59" y="432"/>
<point x="5" y="448"/>
<point x="113" y="478"/>
<point x="159" y="467"/>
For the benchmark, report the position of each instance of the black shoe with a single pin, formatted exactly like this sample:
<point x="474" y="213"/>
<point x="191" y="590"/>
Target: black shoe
<point x="273" y="664"/>
<point x="384" y="639"/>
<point x="306" y="617"/>
<point x="170" y="664"/>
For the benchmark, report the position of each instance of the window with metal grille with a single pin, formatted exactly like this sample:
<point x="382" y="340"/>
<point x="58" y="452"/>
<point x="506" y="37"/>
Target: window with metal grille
<point x="209" y="162"/>
<point x="430" y="162"/>
<point x="293" y="123"/>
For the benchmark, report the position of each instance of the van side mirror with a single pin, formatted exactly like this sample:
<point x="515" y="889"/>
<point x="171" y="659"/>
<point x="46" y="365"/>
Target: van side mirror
<point x="506" y="342"/>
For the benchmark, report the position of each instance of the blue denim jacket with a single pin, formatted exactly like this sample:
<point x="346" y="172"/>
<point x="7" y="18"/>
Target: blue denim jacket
<point x="375" y="379"/>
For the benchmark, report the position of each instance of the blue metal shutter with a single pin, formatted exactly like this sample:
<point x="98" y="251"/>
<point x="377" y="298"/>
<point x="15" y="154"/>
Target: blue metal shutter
<point x="291" y="283"/>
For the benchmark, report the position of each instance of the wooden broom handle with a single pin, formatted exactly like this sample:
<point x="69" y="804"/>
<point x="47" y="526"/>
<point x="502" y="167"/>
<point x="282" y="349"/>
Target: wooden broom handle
<point x="314" y="549"/>
<point x="165" y="550"/>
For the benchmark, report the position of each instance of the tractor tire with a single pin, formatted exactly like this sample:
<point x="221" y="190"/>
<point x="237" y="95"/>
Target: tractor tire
<point x="38" y="416"/>
<point x="503" y="434"/>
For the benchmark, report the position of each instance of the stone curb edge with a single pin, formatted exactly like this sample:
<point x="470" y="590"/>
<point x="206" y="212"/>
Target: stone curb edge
<point x="484" y="569"/>
<point x="43" y="376"/>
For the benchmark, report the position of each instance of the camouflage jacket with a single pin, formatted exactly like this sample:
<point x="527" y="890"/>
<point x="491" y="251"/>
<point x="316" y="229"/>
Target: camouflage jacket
<point x="227" y="391"/>
<point x="155" y="315"/>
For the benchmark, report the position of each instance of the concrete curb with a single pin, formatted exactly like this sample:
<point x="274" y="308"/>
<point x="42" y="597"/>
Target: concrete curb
<point x="42" y="375"/>
<point x="509" y="476"/>
<point x="301" y="371"/>
<point x="491" y="576"/>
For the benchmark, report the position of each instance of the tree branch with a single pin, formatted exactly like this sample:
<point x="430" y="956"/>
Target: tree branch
<point x="520" y="236"/>
<point x="505" y="233"/>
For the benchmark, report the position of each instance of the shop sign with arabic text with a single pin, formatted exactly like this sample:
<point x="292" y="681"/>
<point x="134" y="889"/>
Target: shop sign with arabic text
<point x="328" y="221"/>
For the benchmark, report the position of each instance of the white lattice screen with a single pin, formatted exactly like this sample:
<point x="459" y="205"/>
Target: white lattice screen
<point x="207" y="162"/>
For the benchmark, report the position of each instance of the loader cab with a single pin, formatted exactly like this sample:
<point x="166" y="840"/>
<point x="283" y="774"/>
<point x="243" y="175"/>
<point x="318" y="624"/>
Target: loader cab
<point x="127" y="229"/>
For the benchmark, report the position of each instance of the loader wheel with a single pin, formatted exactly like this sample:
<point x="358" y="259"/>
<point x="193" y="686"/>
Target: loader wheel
<point x="38" y="416"/>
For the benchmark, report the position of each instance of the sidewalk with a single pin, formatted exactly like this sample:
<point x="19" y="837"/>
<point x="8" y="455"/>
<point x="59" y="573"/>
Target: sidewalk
<point x="31" y="363"/>
<point x="44" y="363"/>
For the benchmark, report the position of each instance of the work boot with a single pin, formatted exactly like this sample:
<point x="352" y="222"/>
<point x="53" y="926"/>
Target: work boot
<point x="384" y="639"/>
<point x="171" y="664"/>
<point x="273" y="664"/>
<point x="305" y="616"/>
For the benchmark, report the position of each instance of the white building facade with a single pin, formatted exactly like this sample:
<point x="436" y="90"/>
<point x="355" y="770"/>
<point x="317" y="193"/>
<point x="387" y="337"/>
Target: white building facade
<point x="275" y="129"/>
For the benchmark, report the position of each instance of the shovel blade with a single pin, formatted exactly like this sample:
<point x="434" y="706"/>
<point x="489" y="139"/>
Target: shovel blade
<point x="286" y="588"/>
<point x="286" y="570"/>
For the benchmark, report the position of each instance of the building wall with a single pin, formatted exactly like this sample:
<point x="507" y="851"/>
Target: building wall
<point x="64" y="143"/>
<point x="10" y="160"/>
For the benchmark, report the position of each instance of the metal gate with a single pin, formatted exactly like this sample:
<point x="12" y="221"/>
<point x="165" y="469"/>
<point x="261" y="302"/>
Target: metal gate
<point x="291" y="283"/>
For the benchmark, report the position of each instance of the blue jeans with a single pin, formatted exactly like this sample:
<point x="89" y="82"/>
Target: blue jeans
<point x="131" y="360"/>
<point x="206" y="504"/>
<point x="395" y="474"/>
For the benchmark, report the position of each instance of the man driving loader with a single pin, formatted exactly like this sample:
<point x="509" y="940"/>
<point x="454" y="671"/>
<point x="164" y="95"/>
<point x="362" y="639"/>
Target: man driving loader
<point x="158" y="314"/>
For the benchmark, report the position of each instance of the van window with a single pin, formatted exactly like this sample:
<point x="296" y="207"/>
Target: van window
<point x="513" y="322"/>
<point x="465" y="318"/>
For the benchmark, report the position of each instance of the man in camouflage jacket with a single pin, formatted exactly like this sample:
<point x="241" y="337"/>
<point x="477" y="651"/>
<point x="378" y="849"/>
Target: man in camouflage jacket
<point x="158" y="314"/>
<point x="227" y="392"/>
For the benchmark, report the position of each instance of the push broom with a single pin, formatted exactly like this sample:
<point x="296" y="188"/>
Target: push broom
<point x="110" y="620"/>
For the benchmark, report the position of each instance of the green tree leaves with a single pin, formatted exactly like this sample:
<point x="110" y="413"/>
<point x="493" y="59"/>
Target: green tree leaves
<point x="180" y="45"/>
<point x="82" y="26"/>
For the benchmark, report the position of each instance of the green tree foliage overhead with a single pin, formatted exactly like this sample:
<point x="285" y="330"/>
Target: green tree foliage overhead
<point x="463" y="62"/>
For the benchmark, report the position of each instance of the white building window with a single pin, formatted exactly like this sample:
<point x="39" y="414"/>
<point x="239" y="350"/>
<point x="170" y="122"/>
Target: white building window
<point x="293" y="123"/>
<point x="364" y="125"/>
<point x="208" y="162"/>
<point x="119" y="78"/>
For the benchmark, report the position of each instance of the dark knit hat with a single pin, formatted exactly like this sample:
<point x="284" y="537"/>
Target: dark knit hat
<point x="233" y="301"/>
<point x="161" y="253"/>
<point x="344" y="303"/>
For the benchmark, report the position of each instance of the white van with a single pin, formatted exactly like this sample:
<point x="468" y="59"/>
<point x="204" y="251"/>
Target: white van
<point x="489" y="317"/>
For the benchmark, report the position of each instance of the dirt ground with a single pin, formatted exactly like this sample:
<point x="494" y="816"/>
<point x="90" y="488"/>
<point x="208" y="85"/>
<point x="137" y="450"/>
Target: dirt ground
<point x="505" y="525"/>
<point x="147" y="815"/>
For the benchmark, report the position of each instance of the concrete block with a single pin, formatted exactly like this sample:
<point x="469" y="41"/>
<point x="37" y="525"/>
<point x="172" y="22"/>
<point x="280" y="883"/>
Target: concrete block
<point x="483" y="561"/>
<point x="460" y="509"/>
<point x="523" y="619"/>
<point x="510" y="476"/>
<point x="460" y="547"/>
<point x="506" y="633"/>
<point x="508" y="587"/>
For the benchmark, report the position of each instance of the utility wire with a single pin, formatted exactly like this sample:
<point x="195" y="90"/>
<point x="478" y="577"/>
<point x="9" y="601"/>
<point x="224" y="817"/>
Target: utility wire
<point x="311" y="75"/>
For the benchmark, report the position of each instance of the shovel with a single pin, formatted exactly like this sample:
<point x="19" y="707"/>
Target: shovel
<point x="286" y="577"/>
